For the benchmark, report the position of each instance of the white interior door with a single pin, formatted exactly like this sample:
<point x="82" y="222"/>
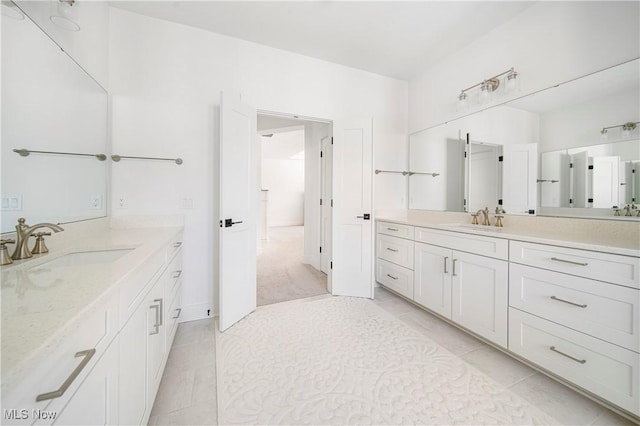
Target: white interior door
<point x="352" y="209"/>
<point x="519" y="178"/>
<point x="325" y="216"/>
<point x="238" y="202"/>
<point x="606" y="181"/>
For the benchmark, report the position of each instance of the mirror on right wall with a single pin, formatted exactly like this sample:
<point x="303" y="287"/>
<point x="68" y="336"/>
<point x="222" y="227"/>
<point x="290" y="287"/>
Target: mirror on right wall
<point x="572" y="150"/>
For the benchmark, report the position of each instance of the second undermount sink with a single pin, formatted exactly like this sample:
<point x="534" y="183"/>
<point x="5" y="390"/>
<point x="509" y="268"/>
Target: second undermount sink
<point x="80" y="258"/>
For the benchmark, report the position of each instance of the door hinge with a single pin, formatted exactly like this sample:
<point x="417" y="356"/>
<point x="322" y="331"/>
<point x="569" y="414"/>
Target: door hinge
<point x="500" y="202"/>
<point x="330" y="265"/>
<point x="332" y="202"/>
<point x="590" y="200"/>
<point x="320" y="154"/>
<point x="571" y="165"/>
<point x="320" y="249"/>
<point x="320" y="201"/>
<point x="331" y="140"/>
<point x="501" y="158"/>
<point x="220" y="223"/>
<point x="590" y="167"/>
<point x="465" y="155"/>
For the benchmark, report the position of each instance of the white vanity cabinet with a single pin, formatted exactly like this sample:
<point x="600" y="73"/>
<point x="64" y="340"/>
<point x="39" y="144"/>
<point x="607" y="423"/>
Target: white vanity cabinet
<point x="146" y="339"/>
<point x="575" y="313"/>
<point x="468" y="287"/>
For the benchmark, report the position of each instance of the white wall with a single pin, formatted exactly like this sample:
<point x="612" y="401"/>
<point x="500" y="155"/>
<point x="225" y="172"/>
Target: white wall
<point x="548" y="43"/>
<point x="89" y="46"/>
<point x="284" y="177"/>
<point x="155" y="63"/>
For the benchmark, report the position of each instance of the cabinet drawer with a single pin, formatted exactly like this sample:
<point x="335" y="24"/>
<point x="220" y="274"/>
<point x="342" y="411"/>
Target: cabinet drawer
<point x="174" y="246"/>
<point x="606" y="311"/>
<point x="397" y="230"/>
<point x="173" y="275"/>
<point x="395" y="250"/>
<point x="602" y="368"/>
<point x="477" y="244"/>
<point x="395" y="277"/>
<point x="623" y="270"/>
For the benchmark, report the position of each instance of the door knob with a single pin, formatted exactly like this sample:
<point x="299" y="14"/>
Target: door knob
<point x="229" y="222"/>
<point x="365" y="216"/>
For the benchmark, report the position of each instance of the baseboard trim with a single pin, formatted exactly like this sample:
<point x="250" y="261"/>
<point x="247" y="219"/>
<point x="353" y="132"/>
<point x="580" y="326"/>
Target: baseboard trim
<point x="196" y="312"/>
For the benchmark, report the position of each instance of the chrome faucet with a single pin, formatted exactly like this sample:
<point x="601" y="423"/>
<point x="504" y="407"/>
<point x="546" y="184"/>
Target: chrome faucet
<point x="485" y="215"/>
<point x="627" y="209"/>
<point x="22" y="236"/>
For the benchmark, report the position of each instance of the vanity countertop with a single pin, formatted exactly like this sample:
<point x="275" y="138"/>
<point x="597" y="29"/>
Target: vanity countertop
<point x="41" y="305"/>
<point x="590" y="239"/>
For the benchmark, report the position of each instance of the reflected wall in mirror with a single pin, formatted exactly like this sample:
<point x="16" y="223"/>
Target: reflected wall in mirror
<point x="49" y="104"/>
<point x="581" y="172"/>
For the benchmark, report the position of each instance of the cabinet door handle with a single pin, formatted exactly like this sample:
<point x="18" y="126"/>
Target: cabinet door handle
<point x="161" y="311"/>
<point x="445" y="264"/>
<point x="393" y="229"/>
<point x="393" y="250"/>
<point x="569" y="261"/>
<point x="569" y="302"/>
<point x="581" y="361"/>
<point x="177" y="274"/>
<point x="179" y="312"/>
<point x="392" y="277"/>
<point x="88" y="354"/>
<point x="178" y="244"/>
<point x="453" y="268"/>
<point x="156" y="325"/>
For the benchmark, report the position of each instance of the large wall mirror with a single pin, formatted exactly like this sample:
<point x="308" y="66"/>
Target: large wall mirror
<point x="54" y="131"/>
<point x="570" y="150"/>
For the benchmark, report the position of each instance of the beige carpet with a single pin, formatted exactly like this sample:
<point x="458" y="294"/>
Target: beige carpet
<point x="280" y="272"/>
<point x="340" y="360"/>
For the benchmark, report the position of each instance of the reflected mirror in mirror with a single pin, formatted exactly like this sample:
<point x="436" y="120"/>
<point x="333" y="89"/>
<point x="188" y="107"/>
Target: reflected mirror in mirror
<point x="49" y="104"/>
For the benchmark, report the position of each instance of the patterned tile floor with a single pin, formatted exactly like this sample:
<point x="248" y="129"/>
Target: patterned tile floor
<point x="187" y="394"/>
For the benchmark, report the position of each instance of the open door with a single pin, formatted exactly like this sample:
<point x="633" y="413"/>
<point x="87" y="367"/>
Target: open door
<point x="238" y="206"/>
<point x="352" y="253"/>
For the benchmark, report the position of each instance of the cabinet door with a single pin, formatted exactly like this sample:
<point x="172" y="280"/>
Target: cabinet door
<point x="432" y="282"/>
<point x="155" y="337"/>
<point x="480" y="295"/>
<point x="133" y="408"/>
<point x="96" y="400"/>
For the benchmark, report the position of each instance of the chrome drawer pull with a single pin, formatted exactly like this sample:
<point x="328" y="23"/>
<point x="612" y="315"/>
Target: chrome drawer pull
<point x="156" y="325"/>
<point x="88" y="354"/>
<point x="393" y="229"/>
<point x="454" y="268"/>
<point x="177" y="275"/>
<point x="445" y="265"/>
<point x="569" y="261"/>
<point x="393" y="250"/>
<point x="178" y="244"/>
<point x="179" y="312"/>
<point x="566" y="301"/>
<point x="581" y="361"/>
<point x="161" y="310"/>
<point x="391" y="276"/>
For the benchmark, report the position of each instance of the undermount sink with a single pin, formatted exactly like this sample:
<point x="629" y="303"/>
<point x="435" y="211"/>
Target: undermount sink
<point x="80" y="258"/>
<point x="482" y="228"/>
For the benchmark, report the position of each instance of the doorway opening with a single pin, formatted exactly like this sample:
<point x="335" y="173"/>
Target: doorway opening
<point x="294" y="222"/>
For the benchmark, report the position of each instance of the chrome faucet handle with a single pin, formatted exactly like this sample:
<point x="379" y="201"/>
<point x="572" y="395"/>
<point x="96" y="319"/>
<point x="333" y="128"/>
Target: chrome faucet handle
<point x="616" y="212"/>
<point x="499" y="221"/>
<point x="474" y="221"/>
<point x="40" y="247"/>
<point x="627" y="210"/>
<point x="5" y="259"/>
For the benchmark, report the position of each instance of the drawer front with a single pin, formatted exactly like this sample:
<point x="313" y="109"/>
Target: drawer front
<point x="174" y="246"/>
<point x="395" y="277"/>
<point x="397" y="230"/>
<point x="623" y="270"/>
<point x="607" y="370"/>
<point x="605" y="311"/>
<point x="476" y="244"/>
<point x="395" y="250"/>
<point x="173" y="316"/>
<point x="136" y="286"/>
<point x="174" y="275"/>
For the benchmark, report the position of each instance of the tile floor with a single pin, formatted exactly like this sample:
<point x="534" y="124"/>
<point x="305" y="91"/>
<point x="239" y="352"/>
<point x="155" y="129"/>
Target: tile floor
<point x="187" y="394"/>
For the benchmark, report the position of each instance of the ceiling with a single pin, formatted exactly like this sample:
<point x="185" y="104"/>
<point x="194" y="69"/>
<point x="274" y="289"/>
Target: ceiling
<point x="399" y="39"/>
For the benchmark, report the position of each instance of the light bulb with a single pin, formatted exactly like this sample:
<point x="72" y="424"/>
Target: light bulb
<point x="512" y="82"/>
<point x="603" y="134"/>
<point x="10" y="10"/>
<point x="485" y="93"/>
<point x="462" y="101"/>
<point x="63" y="16"/>
<point x="627" y="128"/>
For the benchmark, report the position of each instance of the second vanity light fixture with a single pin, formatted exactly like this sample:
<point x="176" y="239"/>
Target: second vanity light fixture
<point x="63" y="15"/>
<point x="488" y="86"/>
<point x="625" y="132"/>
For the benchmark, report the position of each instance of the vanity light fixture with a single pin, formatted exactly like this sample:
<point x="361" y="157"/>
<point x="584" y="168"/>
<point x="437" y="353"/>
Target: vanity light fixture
<point x="625" y="132"/>
<point x="489" y="86"/>
<point x="62" y="15"/>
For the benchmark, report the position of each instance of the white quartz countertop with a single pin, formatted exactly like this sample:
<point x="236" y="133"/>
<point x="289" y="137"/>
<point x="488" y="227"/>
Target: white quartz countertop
<point x="590" y="240"/>
<point x="40" y="302"/>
